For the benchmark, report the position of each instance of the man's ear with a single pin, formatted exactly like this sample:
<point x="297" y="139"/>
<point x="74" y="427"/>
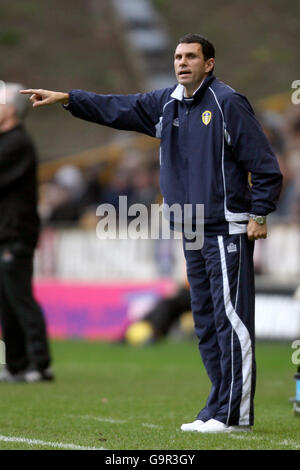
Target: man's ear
<point x="209" y="65"/>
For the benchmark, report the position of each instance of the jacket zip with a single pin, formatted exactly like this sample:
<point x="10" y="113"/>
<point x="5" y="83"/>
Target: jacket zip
<point x="187" y="113"/>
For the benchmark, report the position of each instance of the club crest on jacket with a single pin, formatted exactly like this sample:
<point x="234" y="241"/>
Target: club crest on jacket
<point x="206" y="117"/>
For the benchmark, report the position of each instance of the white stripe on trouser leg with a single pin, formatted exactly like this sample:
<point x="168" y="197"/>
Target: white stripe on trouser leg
<point x="244" y="339"/>
<point x="232" y="360"/>
<point x="232" y="378"/>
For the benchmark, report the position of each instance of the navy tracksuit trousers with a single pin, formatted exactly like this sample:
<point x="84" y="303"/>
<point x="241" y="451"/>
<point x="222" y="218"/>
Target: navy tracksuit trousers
<point x="221" y="278"/>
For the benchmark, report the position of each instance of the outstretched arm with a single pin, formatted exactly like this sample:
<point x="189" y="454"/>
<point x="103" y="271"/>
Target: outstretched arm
<point x="44" y="97"/>
<point x="136" y="112"/>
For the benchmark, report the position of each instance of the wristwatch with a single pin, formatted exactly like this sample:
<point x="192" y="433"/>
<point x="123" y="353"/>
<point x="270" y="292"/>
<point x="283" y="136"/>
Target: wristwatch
<point x="259" y="219"/>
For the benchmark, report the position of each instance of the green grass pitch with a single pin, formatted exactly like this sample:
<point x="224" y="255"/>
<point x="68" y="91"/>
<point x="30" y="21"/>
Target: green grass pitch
<point x="117" y="397"/>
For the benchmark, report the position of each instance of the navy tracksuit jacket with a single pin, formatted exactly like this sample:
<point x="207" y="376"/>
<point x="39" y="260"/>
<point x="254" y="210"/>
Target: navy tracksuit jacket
<point x="207" y="151"/>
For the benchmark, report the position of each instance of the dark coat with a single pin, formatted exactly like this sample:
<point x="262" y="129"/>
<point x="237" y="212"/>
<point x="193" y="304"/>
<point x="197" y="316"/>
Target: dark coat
<point x="19" y="220"/>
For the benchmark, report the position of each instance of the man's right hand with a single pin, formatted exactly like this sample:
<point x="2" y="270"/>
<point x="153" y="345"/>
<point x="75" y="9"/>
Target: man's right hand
<point x="44" y="97"/>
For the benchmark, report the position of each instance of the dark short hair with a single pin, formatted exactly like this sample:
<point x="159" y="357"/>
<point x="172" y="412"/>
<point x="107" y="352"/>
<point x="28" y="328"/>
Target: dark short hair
<point x="207" y="47"/>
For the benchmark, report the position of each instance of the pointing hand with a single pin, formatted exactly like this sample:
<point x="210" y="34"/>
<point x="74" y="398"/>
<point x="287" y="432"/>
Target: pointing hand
<point x="41" y="97"/>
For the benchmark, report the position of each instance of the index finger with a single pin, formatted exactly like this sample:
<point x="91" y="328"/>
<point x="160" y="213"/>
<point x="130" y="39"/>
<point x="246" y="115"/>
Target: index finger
<point x="29" y="91"/>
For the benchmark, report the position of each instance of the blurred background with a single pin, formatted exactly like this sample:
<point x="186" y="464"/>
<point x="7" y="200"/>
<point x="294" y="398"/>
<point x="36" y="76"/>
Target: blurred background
<point x="96" y="289"/>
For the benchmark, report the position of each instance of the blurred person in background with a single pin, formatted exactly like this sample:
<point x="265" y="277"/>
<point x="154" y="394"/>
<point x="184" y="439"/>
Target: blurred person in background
<point x="292" y="163"/>
<point x="158" y="321"/>
<point x="272" y="125"/>
<point x="210" y="141"/>
<point x="119" y="185"/>
<point x="70" y="195"/>
<point x="23" y="325"/>
<point x="67" y="188"/>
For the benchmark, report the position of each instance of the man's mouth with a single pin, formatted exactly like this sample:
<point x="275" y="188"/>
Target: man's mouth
<point x="184" y="73"/>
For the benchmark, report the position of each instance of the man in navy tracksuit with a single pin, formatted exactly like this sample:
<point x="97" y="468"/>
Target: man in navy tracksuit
<point x="210" y="142"/>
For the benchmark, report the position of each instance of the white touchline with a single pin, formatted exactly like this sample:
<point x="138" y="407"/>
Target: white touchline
<point x="286" y="442"/>
<point x="116" y="421"/>
<point x="151" y="426"/>
<point x="102" y="420"/>
<point x="244" y="436"/>
<point x="38" y="442"/>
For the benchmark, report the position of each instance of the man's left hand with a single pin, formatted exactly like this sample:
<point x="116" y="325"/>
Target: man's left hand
<point x="256" y="231"/>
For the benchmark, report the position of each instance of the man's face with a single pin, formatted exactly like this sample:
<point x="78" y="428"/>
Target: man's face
<point x="190" y="66"/>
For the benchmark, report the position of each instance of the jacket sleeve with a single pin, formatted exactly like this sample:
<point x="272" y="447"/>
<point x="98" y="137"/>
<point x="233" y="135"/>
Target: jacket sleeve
<point x="253" y="152"/>
<point x="138" y="112"/>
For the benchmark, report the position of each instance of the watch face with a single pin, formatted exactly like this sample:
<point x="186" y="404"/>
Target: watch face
<point x="260" y="219"/>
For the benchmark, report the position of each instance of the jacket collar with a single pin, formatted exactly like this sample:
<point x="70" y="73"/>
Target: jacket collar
<point x="178" y="93"/>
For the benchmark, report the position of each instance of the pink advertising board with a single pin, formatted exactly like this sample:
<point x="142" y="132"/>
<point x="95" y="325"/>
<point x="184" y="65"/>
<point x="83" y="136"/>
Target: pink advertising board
<point x="96" y="310"/>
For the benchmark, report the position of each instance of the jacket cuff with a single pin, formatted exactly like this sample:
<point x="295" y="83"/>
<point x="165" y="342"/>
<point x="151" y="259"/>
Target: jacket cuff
<point x="257" y="210"/>
<point x="69" y="105"/>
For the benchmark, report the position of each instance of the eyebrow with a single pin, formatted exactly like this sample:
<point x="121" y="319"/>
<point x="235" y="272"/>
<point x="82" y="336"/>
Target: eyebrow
<point x="187" y="54"/>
